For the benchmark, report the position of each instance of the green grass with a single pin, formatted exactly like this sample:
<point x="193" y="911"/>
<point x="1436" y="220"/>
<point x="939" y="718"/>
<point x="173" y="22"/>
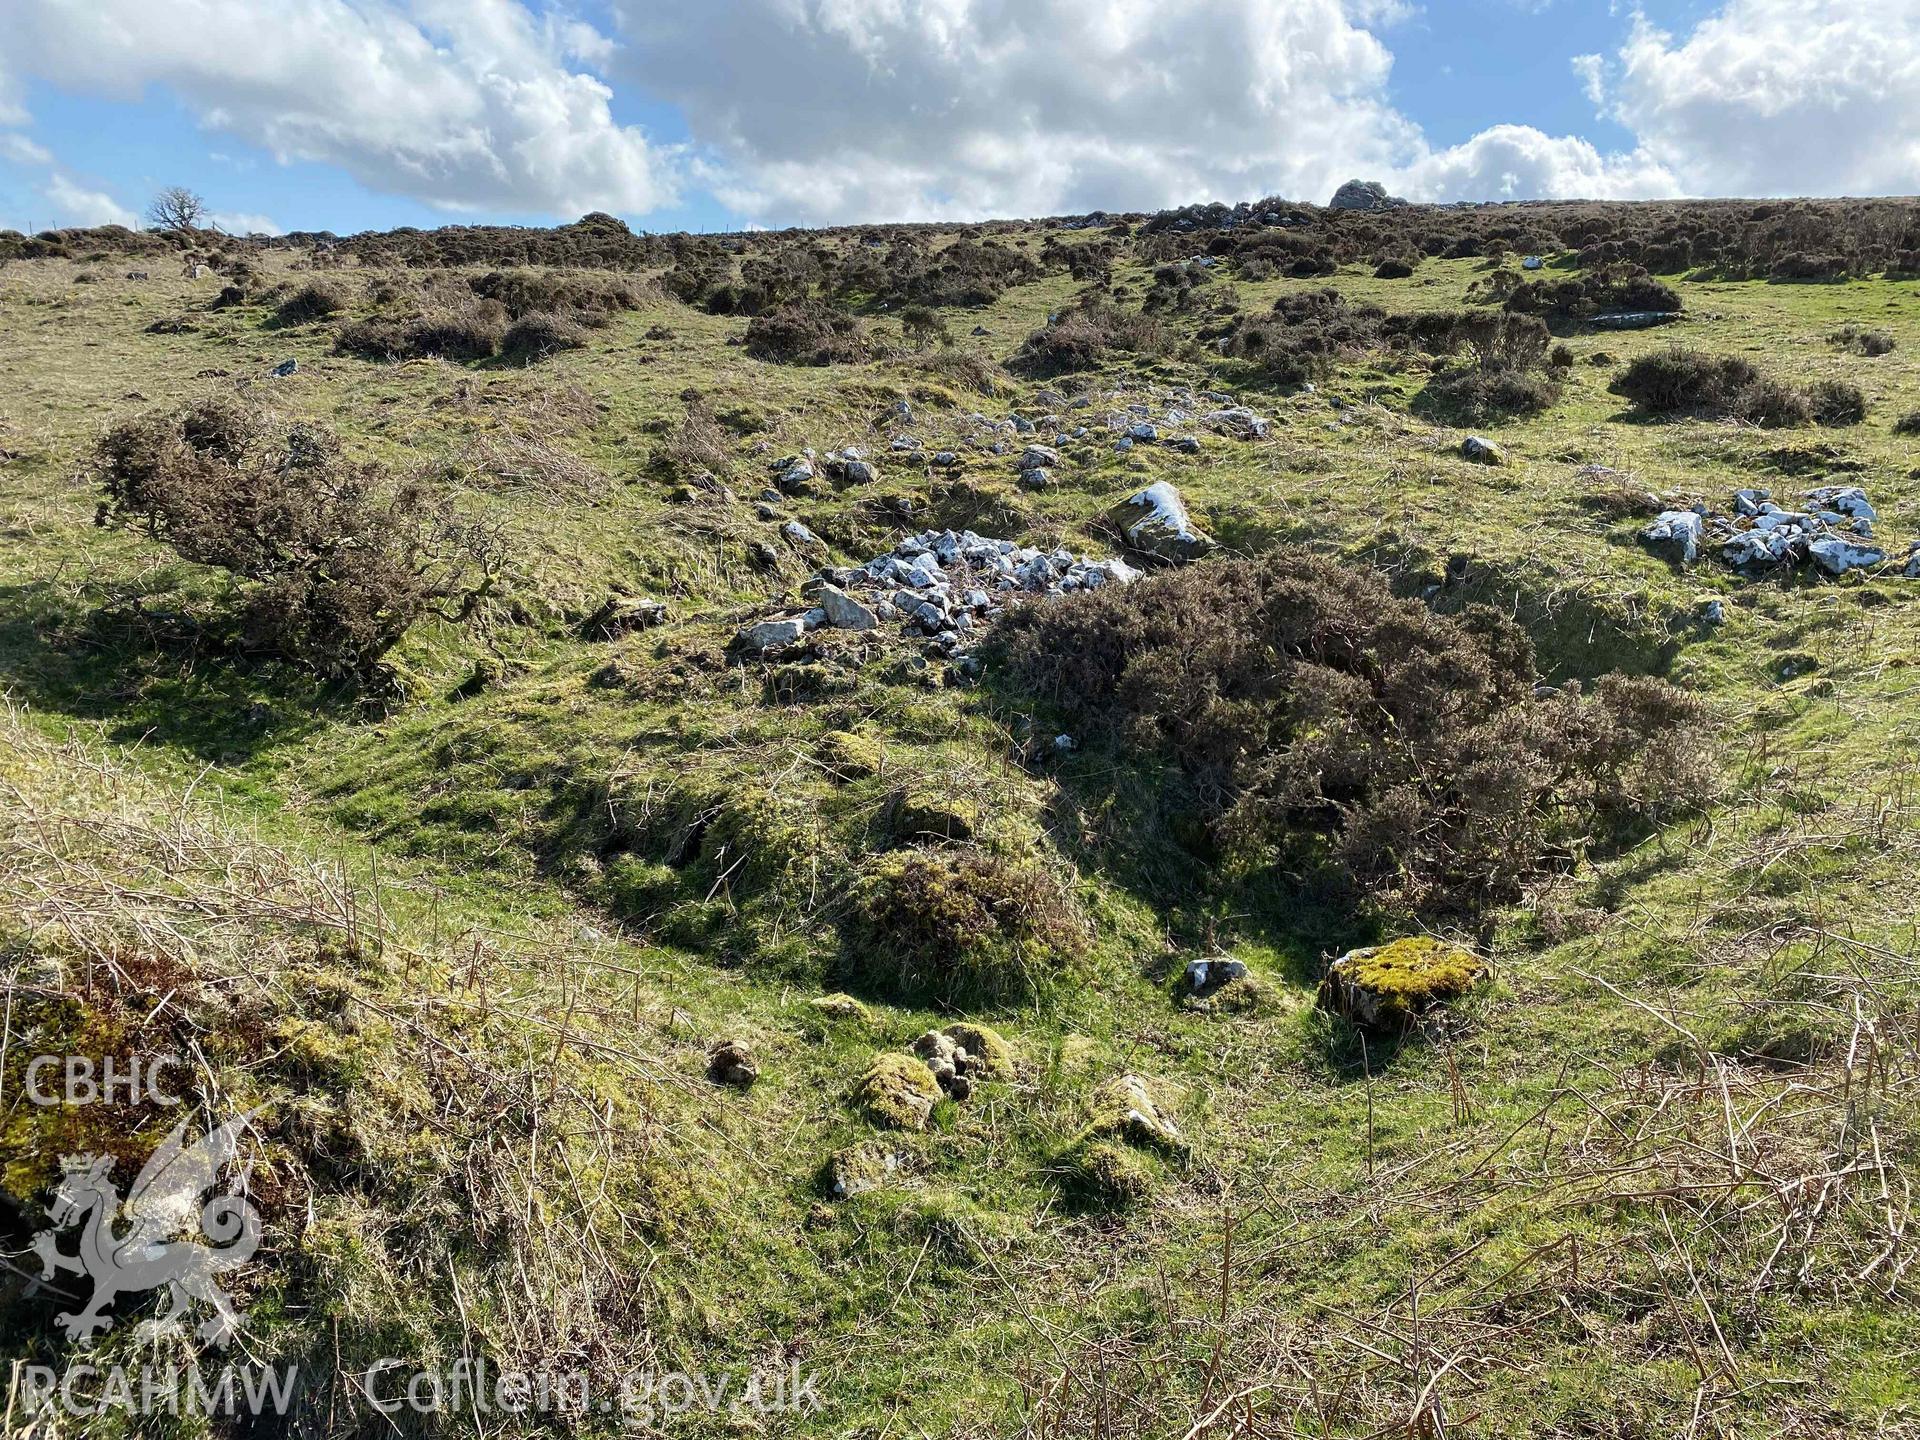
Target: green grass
<point x="1542" y="1182"/>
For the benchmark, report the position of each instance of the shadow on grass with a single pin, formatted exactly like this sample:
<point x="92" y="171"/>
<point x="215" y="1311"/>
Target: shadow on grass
<point x="156" y="675"/>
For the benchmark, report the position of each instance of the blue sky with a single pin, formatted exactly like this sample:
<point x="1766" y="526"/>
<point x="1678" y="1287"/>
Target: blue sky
<point x="711" y="114"/>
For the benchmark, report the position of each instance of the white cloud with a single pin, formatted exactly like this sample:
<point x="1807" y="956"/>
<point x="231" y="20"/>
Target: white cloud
<point x="812" y="111"/>
<point x="821" y="110"/>
<point x="1518" y="162"/>
<point x="74" y="204"/>
<point x="1780" y="97"/>
<point x="17" y="149"/>
<point x="463" y="104"/>
<point x="1592" y="70"/>
<point x="240" y="222"/>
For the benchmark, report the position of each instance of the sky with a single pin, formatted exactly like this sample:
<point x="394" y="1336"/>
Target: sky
<point x="347" y="115"/>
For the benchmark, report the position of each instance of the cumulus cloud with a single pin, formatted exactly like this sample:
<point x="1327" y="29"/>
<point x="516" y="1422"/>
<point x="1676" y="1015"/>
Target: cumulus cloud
<point x="823" y="110"/>
<point x="1518" y="162"/>
<point x="1779" y="97"/>
<point x="463" y="104"/>
<point x="74" y="204"/>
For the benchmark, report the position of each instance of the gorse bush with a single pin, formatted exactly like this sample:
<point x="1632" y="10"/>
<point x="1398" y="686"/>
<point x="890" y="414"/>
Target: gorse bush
<point x="1691" y="382"/>
<point x="339" y="561"/>
<point x="1314" y="721"/>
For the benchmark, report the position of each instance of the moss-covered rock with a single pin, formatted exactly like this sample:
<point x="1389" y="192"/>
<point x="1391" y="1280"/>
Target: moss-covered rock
<point x="898" y="1091"/>
<point x="992" y="1056"/>
<point x="856" y="1169"/>
<point x="1388" y="987"/>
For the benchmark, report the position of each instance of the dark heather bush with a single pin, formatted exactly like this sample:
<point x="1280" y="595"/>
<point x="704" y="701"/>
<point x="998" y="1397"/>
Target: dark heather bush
<point x="1086" y="337"/>
<point x="1908" y="424"/>
<point x="456" y="330"/>
<point x="1864" y="341"/>
<point x="1314" y="721"/>
<point x="539" y="334"/>
<point x="587" y="298"/>
<point x="1690" y="382"/>
<point x="1837" y="402"/>
<point x="315" y="300"/>
<point x="807" y="333"/>
<point x="339" y="561"/>
<point x="1502" y="372"/>
<point x="1393" y="268"/>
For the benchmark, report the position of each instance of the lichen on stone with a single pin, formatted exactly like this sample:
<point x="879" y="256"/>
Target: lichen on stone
<point x="1389" y="986"/>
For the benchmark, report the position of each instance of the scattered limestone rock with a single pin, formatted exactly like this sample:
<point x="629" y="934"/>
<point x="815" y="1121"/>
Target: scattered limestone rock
<point x="1677" y="534"/>
<point x="772" y="635"/>
<point x="1830" y="534"/>
<point x="992" y="1056"/>
<point x="1211" y="974"/>
<point x="898" y="1091"/>
<point x="1388" y="987"/>
<point x="1236" y="420"/>
<point x="843" y="612"/>
<point x="1481" y="451"/>
<point x="1155" y="522"/>
<point x="729" y="1063"/>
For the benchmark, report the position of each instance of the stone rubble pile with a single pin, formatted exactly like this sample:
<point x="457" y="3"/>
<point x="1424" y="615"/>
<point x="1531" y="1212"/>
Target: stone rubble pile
<point x="1832" y="532"/>
<point x="942" y="584"/>
<point x="1168" y="422"/>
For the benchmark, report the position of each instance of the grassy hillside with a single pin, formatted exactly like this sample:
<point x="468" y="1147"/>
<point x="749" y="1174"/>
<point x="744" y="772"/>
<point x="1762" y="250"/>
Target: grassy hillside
<point x="469" y="925"/>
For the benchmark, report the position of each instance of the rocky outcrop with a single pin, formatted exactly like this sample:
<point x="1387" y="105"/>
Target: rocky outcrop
<point x="1364" y="195"/>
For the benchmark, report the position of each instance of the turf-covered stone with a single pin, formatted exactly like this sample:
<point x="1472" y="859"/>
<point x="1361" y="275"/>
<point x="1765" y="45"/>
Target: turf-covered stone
<point x="921" y="815"/>
<point x="856" y="1169"/>
<point x="898" y="1091"/>
<point x="1388" y="987"/>
<point x="849" y="755"/>
<point x="841" y="1007"/>
<point x="1138" y="1111"/>
<point x="1102" y="1175"/>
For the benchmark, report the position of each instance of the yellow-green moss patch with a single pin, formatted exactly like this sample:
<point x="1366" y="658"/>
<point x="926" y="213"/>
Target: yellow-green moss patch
<point x="898" y="1091"/>
<point x="1390" y="985"/>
